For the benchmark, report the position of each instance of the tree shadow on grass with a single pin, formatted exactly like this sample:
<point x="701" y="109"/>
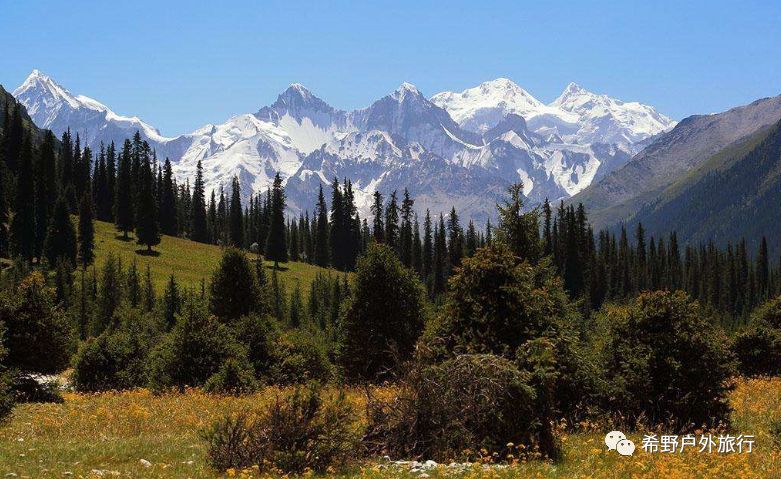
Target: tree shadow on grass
<point x="280" y="268"/>
<point x="121" y="237"/>
<point x="143" y="252"/>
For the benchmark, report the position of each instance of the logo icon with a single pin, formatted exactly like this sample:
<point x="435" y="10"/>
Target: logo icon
<point x="617" y="441"/>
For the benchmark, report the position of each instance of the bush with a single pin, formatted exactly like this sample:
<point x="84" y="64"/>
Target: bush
<point x="6" y="396"/>
<point x="117" y="358"/>
<point x="497" y="304"/>
<point x="383" y="317"/>
<point x="758" y="347"/>
<point x="32" y="389"/>
<point x="665" y="363"/>
<point x="472" y="401"/>
<point x="233" y="377"/>
<point x="258" y="333"/>
<point x="193" y="350"/>
<point x="38" y="338"/>
<point x="298" y="432"/>
<point x="300" y="357"/>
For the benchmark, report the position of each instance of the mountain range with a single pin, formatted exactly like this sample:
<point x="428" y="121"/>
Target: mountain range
<point x="457" y="149"/>
<point x="674" y="163"/>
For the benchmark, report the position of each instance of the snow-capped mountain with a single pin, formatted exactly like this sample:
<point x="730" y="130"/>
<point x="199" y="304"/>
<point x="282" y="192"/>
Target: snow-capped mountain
<point x="455" y="149"/>
<point x="577" y="116"/>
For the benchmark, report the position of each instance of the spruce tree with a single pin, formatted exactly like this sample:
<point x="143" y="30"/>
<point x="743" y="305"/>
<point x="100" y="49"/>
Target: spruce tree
<point x="405" y="240"/>
<point x="86" y="238"/>
<point x="147" y="229"/>
<point x="321" y="234"/>
<point x="377" y="211"/>
<point x="45" y="189"/>
<point x="60" y="243"/>
<point x="235" y="216"/>
<point x="427" y="255"/>
<point x="23" y="222"/>
<point x="392" y="223"/>
<point x="168" y="217"/>
<point x="199" y="231"/>
<point x="276" y="243"/>
<point x="124" y="215"/>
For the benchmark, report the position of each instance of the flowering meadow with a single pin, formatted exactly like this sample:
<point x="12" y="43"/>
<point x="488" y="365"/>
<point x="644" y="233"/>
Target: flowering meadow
<point x="138" y="434"/>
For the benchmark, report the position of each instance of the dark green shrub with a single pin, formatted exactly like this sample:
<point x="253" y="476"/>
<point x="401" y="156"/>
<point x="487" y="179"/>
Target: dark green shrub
<point x="665" y="363"/>
<point x="258" y="333"/>
<point x="300" y="357"/>
<point x="382" y="318"/>
<point x="117" y="358"/>
<point x="758" y="347"/>
<point x="6" y="393"/>
<point x="497" y="304"/>
<point x="472" y="401"/>
<point x="39" y="338"/>
<point x="27" y="389"/>
<point x="193" y="350"/>
<point x="234" y="377"/>
<point x="300" y="431"/>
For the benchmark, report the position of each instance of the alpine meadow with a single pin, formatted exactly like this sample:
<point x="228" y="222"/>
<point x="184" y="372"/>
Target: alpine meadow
<point x="464" y="283"/>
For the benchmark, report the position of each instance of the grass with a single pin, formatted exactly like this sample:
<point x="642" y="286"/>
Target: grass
<point x="189" y="261"/>
<point x="112" y="432"/>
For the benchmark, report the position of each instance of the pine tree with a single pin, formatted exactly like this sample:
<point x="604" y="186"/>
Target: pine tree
<point x="86" y="238"/>
<point x="455" y="239"/>
<point x="427" y="254"/>
<point x="45" y="189"/>
<point x="235" y="218"/>
<point x="276" y="243"/>
<point x="439" y="266"/>
<point x="60" y="243"/>
<point x="339" y="240"/>
<point x="111" y="178"/>
<point x="321" y="233"/>
<point x="23" y="222"/>
<point x="406" y="245"/>
<point x="172" y="302"/>
<point x="147" y="229"/>
<point x="392" y="223"/>
<point x="519" y="230"/>
<point x="124" y="214"/>
<point x="168" y="218"/>
<point x="199" y="231"/>
<point x="13" y="137"/>
<point x="377" y="211"/>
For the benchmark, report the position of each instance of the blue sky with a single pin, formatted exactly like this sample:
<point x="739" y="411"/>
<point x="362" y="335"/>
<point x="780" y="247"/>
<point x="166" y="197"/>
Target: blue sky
<point x="183" y="64"/>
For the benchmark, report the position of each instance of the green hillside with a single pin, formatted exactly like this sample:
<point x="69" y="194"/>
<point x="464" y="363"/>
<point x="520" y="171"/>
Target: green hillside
<point x="187" y="260"/>
<point x="733" y="195"/>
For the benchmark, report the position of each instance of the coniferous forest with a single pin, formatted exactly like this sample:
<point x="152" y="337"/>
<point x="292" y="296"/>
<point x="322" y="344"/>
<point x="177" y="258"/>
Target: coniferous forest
<point x="486" y="343"/>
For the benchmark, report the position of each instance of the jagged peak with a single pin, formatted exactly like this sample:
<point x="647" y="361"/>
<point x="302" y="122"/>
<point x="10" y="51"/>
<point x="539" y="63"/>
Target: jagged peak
<point x="405" y="89"/>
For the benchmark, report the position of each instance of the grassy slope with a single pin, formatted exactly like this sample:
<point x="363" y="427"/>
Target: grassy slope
<point x="187" y="260"/>
<point x="114" y="431"/>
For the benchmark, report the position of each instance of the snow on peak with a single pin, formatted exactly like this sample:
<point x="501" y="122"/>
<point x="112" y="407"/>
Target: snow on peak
<point x="53" y="107"/>
<point x="405" y="89"/>
<point x="482" y="107"/>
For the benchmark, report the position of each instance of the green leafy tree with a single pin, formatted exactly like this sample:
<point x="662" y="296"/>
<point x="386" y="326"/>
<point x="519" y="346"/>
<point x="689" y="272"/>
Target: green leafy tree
<point x="147" y="229"/>
<point x="123" y="203"/>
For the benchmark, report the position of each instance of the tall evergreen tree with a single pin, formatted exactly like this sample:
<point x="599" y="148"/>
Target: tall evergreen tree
<point x="276" y="243"/>
<point x="378" y="225"/>
<point x="235" y="216"/>
<point x="168" y="218"/>
<point x="199" y="231"/>
<point x="23" y="222"/>
<point x="45" y="189"/>
<point x="124" y="214"/>
<point x="147" y="229"/>
<point x="60" y="244"/>
<point x="321" y="233"/>
<point x="86" y="237"/>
